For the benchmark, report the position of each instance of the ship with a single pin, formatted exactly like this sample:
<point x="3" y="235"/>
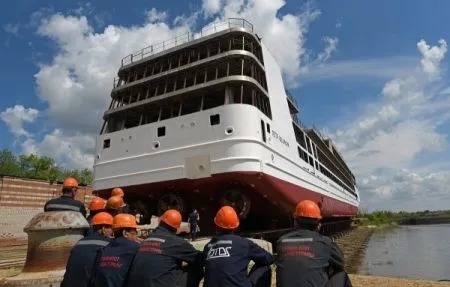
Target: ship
<point x="204" y="120"/>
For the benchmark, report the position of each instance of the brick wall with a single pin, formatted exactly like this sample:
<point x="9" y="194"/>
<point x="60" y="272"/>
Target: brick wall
<point x="21" y="199"/>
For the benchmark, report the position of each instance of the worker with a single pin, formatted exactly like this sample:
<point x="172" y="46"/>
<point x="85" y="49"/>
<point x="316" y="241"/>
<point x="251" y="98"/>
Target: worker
<point x="83" y="254"/>
<point x="96" y="206"/>
<point x="117" y="191"/>
<point x="307" y="258"/>
<point x="160" y="259"/>
<point x="114" y="204"/>
<point x="227" y="256"/>
<point x="193" y="220"/>
<point x="113" y="261"/>
<point x="66" y="201"/>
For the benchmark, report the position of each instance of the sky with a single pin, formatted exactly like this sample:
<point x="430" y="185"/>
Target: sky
<point x="372" y="75"/>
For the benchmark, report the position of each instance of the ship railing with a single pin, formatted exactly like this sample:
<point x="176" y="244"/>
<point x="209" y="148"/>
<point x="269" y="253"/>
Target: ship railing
<point x="291" y="98"/>
<point x="298" y="121"/>
<point x="187" y="37"/>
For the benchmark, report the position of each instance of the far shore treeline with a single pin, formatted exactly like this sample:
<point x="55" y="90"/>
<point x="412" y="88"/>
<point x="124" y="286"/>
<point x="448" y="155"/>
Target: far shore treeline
<point x="40" y="167"/>
<point x="387" y="217"/>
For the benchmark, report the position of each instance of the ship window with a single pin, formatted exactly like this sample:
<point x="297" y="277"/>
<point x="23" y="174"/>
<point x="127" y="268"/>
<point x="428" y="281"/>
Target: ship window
<point x="191" y="104"/>
<point x="165" y="112"/>
<point x="247" y="97"/>
<point x="235" y="67"/>
<point x="132" y="120"/>
<point x="213" y="99"/>
<point x="263" y="131"/>
<point x="214" y="119"/>
<point x="189" y="80"/>
<point x="106" y="143"/>
<point x="161" y="131"/>
<point x="151" y="115"/>
<point x="268" y="128"/>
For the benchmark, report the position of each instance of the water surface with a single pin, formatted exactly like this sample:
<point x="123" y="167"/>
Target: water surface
<point x="418" y="251"/>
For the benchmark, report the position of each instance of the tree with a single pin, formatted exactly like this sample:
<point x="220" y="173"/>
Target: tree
<point x="39" y="167"/>
<point x="8" y="163"/>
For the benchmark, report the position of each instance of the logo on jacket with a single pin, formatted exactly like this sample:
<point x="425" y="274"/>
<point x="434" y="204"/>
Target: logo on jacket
<point x="218" y="252"/>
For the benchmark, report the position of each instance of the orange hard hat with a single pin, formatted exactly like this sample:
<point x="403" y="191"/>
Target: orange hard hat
<point x="172" y="218"/>
<point x="96" y="204"/>
<point x="124" y="220"/>
<point x="307" y="208"/>
<point x="102" y="218"/>
<point x="70" y="182"/>
<point x="226" y="218"/>
<point x="117" y="192"/>
<point x="115" y="202"/>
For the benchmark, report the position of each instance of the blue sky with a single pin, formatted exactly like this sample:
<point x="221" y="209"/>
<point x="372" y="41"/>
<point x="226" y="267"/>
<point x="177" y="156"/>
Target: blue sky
<point x="367" y="91"/>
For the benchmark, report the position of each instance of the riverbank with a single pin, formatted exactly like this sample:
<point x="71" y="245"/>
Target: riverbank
<point x="378" y="281"/>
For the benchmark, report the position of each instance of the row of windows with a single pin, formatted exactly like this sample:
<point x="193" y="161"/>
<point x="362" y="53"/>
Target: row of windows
<point x="192" y="77"/>
<point x="333" y="166"/>
<point x="321" y="161"/>
<point x="306" y="144"/>
<point x="320" y="167"/>
<point x="191" y="54"/>
<point x="188" y="103"/>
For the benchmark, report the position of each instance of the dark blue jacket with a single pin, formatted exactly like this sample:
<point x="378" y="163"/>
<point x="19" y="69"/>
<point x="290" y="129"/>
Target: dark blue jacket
<point x="158" y="261"/>
<point x="113" y="263"/>
<point x="63" y="203"/>
<point x="81" y="260"/>
<point x="227" y="257"/>
<point x="306" y="258"/>
<point x="193" y="219"/>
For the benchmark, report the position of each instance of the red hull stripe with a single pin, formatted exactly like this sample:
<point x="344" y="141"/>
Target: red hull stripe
<point x="283" y="194"/>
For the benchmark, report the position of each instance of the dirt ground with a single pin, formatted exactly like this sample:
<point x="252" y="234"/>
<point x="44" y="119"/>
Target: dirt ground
<point x="375" y="281"/>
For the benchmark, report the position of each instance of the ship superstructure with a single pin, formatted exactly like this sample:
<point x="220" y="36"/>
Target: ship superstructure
<point x="204" y="120"/>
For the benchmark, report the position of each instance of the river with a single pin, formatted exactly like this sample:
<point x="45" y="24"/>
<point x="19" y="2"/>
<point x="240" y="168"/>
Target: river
<point x="416" y="251"/>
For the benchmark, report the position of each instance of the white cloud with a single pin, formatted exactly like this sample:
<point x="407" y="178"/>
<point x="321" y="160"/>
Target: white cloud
<point x="389" y="135"/>
<point x="331" y="46"/>
<point x="15" y="118"/>
<point x="432" y="56"/>
<point x="154" y="15"/>
<point x="70" y="150"/>
<point x="284" y="35"/>
<point x="382" y="68"/>
<point x="407" y="190"/>
<point x="12" y="29"/>
<point x="211" y="7"/>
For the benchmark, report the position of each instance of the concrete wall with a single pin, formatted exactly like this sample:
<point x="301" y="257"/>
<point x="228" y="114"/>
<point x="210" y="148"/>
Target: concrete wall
<point x="21" y="199"/>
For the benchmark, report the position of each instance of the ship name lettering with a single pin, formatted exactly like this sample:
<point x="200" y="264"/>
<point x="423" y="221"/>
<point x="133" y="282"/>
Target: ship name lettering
<point x="279" y="138"/>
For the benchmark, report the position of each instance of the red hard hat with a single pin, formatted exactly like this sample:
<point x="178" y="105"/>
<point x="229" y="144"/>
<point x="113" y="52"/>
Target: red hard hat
<point x="102" y="218"/>
<point x="123" y="220"/>
<point x="307" y="208"/>
<point x="70" y="182"/>
<point x="96" y="204"/>
<point x="226" y="218"/>
<point x="172" y="218"/>
<point x="117" y="192"/>
<point x="115" y="202"/>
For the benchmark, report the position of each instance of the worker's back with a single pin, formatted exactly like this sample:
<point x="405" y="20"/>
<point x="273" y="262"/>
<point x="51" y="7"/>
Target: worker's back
<point x="113" y="263"/>
<point x="227" y="257"/>
<point x="305" y="258"/>
<point x="82" y="259"/>
<point x="65" y="203"/>
<point x="159" y="260"/>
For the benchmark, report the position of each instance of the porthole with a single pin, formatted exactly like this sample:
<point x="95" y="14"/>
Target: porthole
<point x="229" y="131"/>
